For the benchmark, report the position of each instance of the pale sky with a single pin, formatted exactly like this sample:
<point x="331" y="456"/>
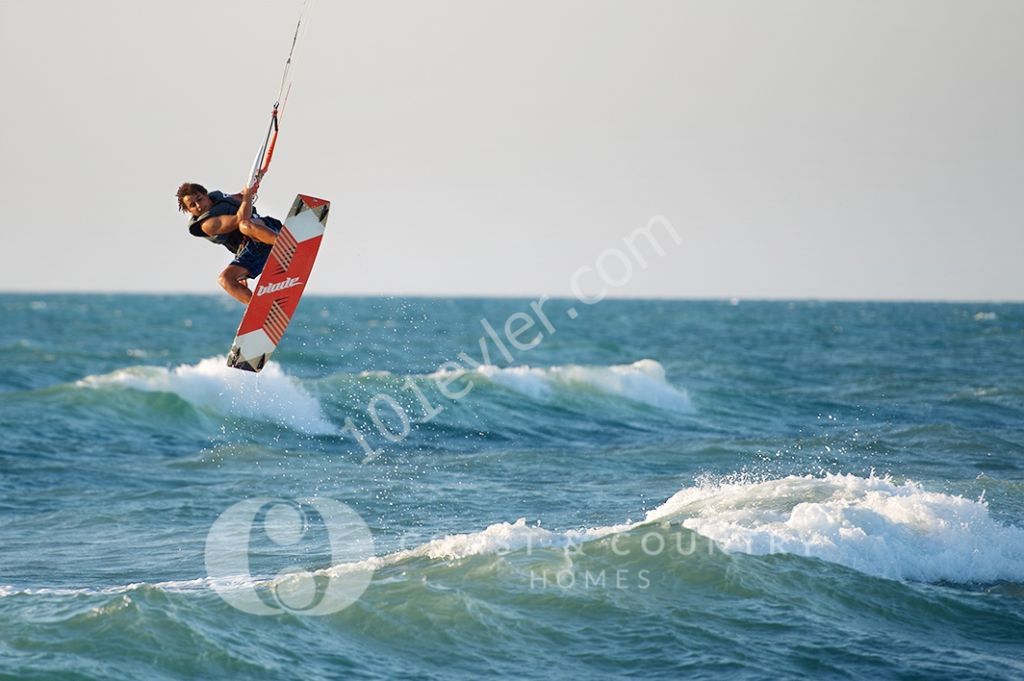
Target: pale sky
<point x="802" y="149"/>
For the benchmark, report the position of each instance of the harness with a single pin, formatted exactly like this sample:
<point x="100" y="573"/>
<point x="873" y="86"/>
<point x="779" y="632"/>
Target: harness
<point x="222" y="205"/>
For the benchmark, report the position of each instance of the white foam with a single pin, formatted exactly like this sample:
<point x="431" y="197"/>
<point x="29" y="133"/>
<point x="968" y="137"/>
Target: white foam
<point x="642" y="381"/>
<point x="502" y="538"/>
<point x="270" y="395"/>
<point x="535" y="383"/>
<point x="176" y="586"/>
<point x="874" y="525"/>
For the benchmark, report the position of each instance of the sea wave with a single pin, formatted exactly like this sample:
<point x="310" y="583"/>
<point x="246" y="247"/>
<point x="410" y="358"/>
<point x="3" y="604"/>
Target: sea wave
<point x="874" y="525"/>
<point x="271" y="395"/>
<point x="897" y="530"/>
<point x="642" y="381"/>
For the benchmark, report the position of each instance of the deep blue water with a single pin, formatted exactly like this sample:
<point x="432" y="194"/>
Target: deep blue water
<point x="656" y="489"/>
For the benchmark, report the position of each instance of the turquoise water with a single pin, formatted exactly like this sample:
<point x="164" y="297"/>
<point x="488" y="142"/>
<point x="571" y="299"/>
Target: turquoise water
<point x="656" y="489"/>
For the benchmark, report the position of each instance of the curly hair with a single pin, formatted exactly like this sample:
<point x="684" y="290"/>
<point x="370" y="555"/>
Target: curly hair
<point x="188" y="189"/>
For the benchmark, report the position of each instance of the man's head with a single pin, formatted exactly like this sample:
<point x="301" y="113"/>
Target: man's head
<point x="193" y="199"/>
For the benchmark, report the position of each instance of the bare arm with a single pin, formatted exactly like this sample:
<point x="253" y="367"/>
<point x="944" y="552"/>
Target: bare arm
<point x="222" y="224"/>
<point x="254" y="228"/>
<point x="245" y="209"/>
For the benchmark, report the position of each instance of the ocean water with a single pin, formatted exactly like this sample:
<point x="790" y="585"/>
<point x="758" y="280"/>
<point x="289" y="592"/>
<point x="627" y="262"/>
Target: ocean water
<point x="642" y="489"/>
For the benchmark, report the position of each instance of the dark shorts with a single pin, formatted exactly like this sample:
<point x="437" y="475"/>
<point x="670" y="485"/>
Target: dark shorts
<point x="253" y="254"/>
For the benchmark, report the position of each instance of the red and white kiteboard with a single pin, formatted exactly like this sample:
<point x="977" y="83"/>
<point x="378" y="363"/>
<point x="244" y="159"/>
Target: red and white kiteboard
<point x="281" y="285"/>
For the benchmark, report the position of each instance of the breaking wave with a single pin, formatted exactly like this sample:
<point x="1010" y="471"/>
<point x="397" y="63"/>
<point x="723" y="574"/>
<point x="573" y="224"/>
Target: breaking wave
<point x="874" y="525"/>
<point x="271" y="395"/>
<point x="642" y="381"/>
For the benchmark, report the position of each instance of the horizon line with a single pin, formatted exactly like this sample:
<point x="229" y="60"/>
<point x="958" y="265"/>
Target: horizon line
<point x="732" y="299"/>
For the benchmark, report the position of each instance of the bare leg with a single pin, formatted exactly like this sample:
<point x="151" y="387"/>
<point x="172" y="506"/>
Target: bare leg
<point x="234" y="279"/>
<point x="255" y="229"/>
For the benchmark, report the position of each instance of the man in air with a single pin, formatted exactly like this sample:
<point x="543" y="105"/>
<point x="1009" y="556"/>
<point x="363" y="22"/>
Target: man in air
<point x="229" y="220"/>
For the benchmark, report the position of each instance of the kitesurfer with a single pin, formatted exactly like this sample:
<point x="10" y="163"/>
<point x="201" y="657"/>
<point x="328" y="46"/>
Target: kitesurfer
<point x="229" y="220"/>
